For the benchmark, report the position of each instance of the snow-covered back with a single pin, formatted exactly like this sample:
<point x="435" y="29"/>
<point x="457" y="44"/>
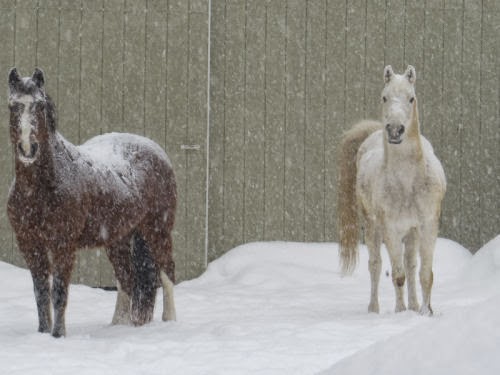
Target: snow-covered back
<point x="271" y="308"/>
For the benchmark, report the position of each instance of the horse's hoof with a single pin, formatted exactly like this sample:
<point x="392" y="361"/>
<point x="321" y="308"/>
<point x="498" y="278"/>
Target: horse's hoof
<point x="414" y="307"/>
<point x="44" y="329"/>
<point x="169" y="316"/>
<point x="58" y="333"/>
<point x="373" y="308"/>
<point x="400" y="308"/>
<point x="426" y="310"/>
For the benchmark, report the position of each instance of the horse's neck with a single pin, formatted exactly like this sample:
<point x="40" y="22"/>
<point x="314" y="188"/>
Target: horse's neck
<point x="409" y="154"/>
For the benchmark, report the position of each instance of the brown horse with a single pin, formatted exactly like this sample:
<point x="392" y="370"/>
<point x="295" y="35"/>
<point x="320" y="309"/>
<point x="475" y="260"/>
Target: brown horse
<point x="115" y="191"/>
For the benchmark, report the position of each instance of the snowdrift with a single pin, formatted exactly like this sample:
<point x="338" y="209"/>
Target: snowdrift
<point x="271" y="308"/>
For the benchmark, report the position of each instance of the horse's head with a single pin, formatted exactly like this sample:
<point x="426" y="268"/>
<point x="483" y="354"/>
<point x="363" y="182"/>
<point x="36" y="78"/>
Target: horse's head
<point x="398" y="96"/>
<point x="31" y="115"/>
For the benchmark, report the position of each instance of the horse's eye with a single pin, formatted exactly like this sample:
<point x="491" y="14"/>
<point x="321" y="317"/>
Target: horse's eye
<point x="412" y="99"/>
<point x="384" y="99"/>
<point x="38" y="106"/>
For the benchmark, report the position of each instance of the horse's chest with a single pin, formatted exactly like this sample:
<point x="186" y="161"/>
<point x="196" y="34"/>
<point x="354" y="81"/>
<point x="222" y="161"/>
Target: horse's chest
<point x="44" y="216"/>
<point x="402" y="200"/>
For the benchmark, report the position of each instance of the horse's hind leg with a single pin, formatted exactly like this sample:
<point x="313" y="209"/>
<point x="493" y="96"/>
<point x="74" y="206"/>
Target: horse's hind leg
<point x="373" y="243"/>
<point x="119" y="256"/>
<point x="160" y="240"/>
<point x="410" y="260"/>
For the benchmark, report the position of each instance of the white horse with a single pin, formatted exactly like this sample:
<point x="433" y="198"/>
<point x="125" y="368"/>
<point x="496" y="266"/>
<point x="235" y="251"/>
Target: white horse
<point x="390" y="178"/>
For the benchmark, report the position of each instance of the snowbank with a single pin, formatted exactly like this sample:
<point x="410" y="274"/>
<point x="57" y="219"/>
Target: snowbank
<point x="271" y="308"/>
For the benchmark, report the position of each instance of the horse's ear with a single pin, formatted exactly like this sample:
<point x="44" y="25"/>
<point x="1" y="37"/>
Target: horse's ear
<point x="411" y="74"/>
<point x="14" y="79"/>
<point x="37" y="77"/>
<point x="388" y="73"/>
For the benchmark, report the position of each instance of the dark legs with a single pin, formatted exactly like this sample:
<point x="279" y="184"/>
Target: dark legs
<point x="40" y="268"/>
<point x="39" y="265"/>
<point x="63" y="265"/>
<point x="41" y="287"/>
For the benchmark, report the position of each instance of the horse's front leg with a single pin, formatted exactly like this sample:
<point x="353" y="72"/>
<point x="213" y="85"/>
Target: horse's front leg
<point x="39" y="265"/>
<point x="427" y="245"/>
<point x="410" y="259"/>
<point x="394" y="245"/>
<point x="63" y="261"/>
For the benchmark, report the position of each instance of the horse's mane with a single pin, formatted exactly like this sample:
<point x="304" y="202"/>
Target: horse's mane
<point x="51" y="113"/>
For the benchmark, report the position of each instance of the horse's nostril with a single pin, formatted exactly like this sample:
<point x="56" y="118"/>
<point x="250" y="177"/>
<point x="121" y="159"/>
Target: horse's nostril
<point x="387" y="126"/>
<point x="21" y="149"/>
<point x="34" y="149"/>
<point x="401" y="129"/>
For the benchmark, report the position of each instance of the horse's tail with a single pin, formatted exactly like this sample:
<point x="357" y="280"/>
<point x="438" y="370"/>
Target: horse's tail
<point x="348" y="221"/>
<point x="145" y="281"/>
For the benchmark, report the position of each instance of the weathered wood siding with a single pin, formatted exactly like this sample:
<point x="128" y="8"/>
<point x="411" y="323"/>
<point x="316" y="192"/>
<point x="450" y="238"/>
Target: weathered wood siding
<point x="287" y="77"/>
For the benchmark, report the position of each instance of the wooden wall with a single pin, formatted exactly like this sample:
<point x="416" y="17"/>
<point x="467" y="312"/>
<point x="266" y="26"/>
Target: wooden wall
<point x="287" y="77"/>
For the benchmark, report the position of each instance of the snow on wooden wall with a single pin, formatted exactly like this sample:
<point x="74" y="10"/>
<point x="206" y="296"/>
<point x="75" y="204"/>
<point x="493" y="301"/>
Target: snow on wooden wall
<point x="287" y="77"/>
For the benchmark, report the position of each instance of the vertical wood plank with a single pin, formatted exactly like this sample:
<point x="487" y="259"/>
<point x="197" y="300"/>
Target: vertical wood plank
<point x="355" y="62"/>
<point x="295" y="120"/>
<point x="7" y="28"/>
<point x="431" y="92"/>
<point x="490" y="128"/>
<point x="48" y="43"/>
<point x="112" y="66"/>
<point x="374" y="60"/>
<point x="155" y="72"/>
<point x="196" y="160"/>
<point x="217" y="116"/>
<point x="176" y="122"/>
<point x="254" y="121"/>
<point x="470" y="162"/>
<point x="133" y="67"/>
<point x="314" y="221"/>
<point x="234" y="124"/>
<point x="275" y="104"/>
<point x="451" y="110"/>
<point x="25" y="34"/>
<point x="395" y="33"/>
<point x="335" y="106"/>
<point x="414" y="37"/>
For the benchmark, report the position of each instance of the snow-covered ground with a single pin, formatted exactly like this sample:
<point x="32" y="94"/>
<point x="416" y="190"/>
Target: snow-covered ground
<point x="271" y="308"/>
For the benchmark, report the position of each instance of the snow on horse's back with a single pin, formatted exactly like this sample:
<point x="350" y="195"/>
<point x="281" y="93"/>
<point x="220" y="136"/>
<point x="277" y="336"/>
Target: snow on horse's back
<point x="391" y="181"/>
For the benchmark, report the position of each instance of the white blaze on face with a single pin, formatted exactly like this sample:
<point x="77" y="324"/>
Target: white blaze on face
<point x="25" y="121"/>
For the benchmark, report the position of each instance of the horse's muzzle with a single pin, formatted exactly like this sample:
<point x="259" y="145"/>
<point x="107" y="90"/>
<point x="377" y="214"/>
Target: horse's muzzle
<point x="394" y="133"/>
<point x="27" y="154"/>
